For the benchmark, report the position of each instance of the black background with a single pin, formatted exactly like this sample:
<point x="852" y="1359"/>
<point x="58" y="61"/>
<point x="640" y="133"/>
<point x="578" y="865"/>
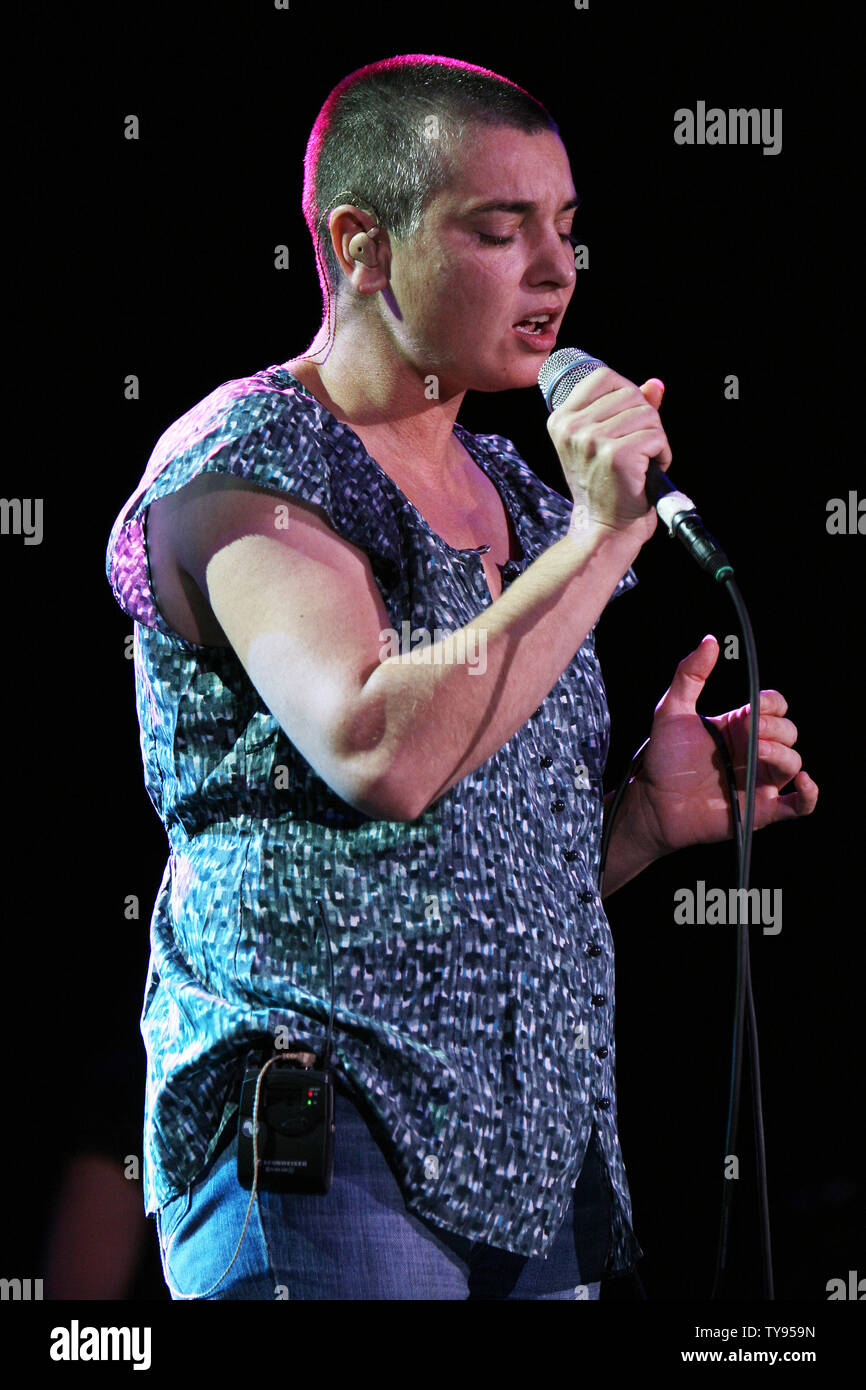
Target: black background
<point x="155" y="257"/>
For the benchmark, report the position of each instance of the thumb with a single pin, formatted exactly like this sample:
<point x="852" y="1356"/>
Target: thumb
<point x="653" y="390"/>
<point x="687" y="685"/>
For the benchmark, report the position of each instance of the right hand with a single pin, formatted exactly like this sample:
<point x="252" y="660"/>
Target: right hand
<point x="605" y="433"/>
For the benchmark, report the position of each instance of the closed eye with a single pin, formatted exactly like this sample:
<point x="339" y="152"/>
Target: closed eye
<point x="504" y="240"/>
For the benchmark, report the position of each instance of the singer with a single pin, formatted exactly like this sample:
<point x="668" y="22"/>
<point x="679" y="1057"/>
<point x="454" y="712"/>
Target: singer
<point x="448" y="814"/>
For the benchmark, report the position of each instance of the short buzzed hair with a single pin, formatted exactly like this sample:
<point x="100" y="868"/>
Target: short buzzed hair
<point x="386" y="136"/>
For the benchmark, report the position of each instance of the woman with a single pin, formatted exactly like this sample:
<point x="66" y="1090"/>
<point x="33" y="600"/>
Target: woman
<point x="366" y="678"/>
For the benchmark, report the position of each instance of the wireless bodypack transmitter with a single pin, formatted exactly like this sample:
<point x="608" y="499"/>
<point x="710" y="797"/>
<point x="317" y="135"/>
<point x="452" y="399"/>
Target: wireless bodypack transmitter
<point x="295" y="1129"/>
<point x="289" y="1134"/>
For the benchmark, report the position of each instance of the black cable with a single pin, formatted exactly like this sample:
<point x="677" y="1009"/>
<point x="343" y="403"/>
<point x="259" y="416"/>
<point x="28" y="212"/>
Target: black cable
<point x="751" y="1020"/>
<point x="633" y="767"/>
<point x="760" y="1151"/>
<point x="744" y="995"/>
<point x="326" y="1060"/>
<point x="743" y="991"/>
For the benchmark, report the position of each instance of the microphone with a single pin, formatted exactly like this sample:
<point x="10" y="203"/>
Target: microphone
<point x="557" y="379"/>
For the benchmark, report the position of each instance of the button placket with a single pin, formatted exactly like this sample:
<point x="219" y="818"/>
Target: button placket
<point x="602" y="1050"/>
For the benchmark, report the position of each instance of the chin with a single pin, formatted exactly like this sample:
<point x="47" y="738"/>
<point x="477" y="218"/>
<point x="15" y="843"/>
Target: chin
<point x="523" y="373"/>
<point x="510" y="372"/>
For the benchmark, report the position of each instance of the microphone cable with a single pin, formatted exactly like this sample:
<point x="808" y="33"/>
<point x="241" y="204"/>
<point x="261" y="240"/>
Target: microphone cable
<point x="557" y="378"/>
<point x="744" y="1001"/>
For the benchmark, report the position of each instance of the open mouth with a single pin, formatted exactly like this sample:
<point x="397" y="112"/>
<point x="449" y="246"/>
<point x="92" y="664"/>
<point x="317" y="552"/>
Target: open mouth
<point x="535" y="325"/>
<point x="537" y="331"/>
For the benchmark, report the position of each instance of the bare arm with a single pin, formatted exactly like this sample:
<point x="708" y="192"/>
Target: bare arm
<point x="630" y="850"/>
<point x="444" y="716"/>
<point x="300" y="607"/>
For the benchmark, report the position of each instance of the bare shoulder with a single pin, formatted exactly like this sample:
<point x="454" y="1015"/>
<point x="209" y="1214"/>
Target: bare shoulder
<point x="209" y="517"/>
<point x="177" y="527"/>
<point x="179" y="504"/>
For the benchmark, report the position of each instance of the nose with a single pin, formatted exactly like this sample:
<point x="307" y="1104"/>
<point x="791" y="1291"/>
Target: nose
<point x="552" y="261"/>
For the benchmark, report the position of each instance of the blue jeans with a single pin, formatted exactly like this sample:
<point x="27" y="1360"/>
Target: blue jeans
<point x="358" y="1241"/>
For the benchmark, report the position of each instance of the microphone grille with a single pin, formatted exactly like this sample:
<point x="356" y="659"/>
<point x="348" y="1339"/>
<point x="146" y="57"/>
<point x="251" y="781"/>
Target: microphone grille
<point x="562" y="371"/>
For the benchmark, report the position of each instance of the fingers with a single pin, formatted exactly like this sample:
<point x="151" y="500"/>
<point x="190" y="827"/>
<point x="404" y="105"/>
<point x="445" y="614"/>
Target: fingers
<point x="614" y="417"/>
<point x="691" y="675"/>
<point x="775" y="730"/>
<point x="653" y="390"/>
<point x="800" y="802"/>
<point x="775" y="733"/>
<point x="612" y="407"/>
<point x="772" y="702"/>
<point x="601" y="382"/>
<point x="780" y="762"/>
<point x="604" y="405"/>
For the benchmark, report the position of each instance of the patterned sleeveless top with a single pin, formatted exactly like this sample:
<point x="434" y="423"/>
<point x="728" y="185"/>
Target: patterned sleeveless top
<point x="473" y="962"/>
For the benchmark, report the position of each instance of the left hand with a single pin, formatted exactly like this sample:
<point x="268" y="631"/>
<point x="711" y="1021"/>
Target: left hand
<point x="681" y="793"/>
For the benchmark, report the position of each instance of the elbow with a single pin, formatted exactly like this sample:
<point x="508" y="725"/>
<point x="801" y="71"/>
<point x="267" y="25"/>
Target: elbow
<point x="391" y="795"/>
<point x="379" y="779"/>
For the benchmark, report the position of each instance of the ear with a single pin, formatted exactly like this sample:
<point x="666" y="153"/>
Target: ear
<point x="346" y="221"/>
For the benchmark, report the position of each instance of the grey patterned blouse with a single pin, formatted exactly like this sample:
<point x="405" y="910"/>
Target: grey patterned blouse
<point x="473" y="962"/>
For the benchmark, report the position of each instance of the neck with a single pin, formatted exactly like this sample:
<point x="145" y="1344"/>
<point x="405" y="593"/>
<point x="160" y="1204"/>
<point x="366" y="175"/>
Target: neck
<point x="385" y="403"/>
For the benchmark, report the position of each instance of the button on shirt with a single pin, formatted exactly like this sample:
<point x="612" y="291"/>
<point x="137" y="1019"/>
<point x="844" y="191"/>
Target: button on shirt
<point x="473" y="962"/>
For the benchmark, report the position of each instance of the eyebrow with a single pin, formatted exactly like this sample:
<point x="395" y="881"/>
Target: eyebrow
<point x="497" y="206"/>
